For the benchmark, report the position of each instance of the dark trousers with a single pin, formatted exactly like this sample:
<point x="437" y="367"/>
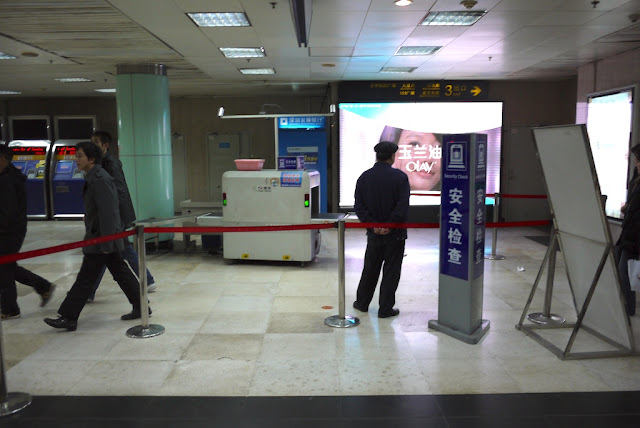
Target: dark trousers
<point x="131" y="256"/>
<point x="386" y="253"/>
<point x="9" y="244"/>
<point x="91" y="266"/>
<point x="26" y="277"/>
<point x="622" y="257"/>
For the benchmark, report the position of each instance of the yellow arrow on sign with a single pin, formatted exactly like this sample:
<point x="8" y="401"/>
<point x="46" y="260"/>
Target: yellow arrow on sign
<point x="475" y="91"/>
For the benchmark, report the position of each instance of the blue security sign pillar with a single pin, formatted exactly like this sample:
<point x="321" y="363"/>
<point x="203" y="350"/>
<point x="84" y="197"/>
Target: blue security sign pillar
<point x="462" y="229"/>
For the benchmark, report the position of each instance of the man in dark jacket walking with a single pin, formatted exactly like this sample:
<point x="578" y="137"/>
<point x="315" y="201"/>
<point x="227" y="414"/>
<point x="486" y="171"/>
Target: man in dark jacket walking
<point x="101" y="218"/>
<point x="113" y="166"/>
<point x="382" y="196"/>
<point x="13" y="228"/>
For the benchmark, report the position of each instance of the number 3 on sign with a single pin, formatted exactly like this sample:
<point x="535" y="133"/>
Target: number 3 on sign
<point x="448" y="90"/>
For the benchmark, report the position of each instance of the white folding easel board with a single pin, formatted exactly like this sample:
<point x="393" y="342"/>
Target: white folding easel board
<point x="583" y="234"/>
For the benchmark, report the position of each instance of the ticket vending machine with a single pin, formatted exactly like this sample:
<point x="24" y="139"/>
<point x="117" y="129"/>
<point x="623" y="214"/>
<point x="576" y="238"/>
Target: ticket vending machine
<point x="31" y="157"/>
<point x="65" y="181"/>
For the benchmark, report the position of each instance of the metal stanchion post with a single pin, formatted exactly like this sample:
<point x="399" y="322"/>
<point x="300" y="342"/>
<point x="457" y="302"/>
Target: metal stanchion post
<point x="546" y="317"/>
<point x="146" y="329"/>
<point x="494" y="240"/>
<point x="341" y="320"/>
<point x="10" y="402"/>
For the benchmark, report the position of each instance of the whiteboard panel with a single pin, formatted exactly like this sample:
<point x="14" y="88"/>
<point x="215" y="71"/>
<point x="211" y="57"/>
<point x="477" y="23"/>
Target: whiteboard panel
<point x="572" y="185"/>
<point x="574" y="197"/>
<point x="606" y="313"/>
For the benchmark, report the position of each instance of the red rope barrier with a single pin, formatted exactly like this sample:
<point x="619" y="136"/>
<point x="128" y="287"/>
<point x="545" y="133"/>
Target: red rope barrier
<point x="239" y="228"/>
<point x="64" y="247"/>
<point x="491" y="195"/>
<point x="522" y="196"/>
<point x="392" y="225"/>
<point x="437" y="225"/>
<point x="519" y="223"/>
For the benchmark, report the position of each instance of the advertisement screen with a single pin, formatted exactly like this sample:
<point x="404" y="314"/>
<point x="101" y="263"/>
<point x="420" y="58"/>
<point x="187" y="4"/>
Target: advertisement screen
<point x="417" y="129"/>
<point x="609" y="125"/>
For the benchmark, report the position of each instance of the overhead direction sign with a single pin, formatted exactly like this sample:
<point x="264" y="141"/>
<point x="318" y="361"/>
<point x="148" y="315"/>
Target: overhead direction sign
<point x="415" y="90"/>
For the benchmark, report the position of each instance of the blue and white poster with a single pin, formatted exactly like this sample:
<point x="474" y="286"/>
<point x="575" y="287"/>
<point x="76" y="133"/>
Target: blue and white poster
<point x="455" y="208"/>
<point x="306" y="136"/>
<point x="479" y="205"/>
<point x="291" y="179"/>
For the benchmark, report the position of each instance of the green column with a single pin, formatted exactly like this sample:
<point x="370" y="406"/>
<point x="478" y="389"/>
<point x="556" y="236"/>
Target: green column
<point x="144" y="136"/>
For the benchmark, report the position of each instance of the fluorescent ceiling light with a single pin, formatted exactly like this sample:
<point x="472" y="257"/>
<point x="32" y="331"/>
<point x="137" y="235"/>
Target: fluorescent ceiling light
<point x="220" y="19"/>
<point x="257" y="71"/>
<point x="9" y="93"/>
<point x="452" y="18"/>
<point x="6" y="56"/>
<point x="243" y="52"/>
<point x="402" y="2"/>
<point x="417" y="50"/>
<point x="397" y="69"/>
<point x="73" y="79"/>
<point x="106" y="90"/>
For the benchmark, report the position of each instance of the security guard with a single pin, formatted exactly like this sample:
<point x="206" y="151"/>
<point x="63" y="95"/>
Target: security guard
<point x="382" y="196"/>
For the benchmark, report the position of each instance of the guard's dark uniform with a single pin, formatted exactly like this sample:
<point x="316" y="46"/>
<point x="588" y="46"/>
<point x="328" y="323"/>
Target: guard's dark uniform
<point x="382" y="195"/>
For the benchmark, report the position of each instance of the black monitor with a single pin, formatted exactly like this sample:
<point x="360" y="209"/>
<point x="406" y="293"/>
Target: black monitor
<point x="29" y="128"/>
<point x="74" y="127"/>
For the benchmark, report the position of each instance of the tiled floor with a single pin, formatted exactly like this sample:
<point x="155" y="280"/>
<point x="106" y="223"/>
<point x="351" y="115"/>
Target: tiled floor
<point x="257" y="329"/>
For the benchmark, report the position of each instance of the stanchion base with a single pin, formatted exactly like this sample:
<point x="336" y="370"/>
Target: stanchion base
<point x="16" y="401"/>
<point x="141" y="332"/>
<point x="341" y="322"/>
<point x="494" y="257"/>
<point x="540" y="318"/>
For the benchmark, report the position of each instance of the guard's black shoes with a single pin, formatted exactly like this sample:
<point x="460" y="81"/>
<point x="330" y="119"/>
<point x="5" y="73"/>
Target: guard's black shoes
<point x="392" y="313"/>
<point x="133" y="315"/>
<point x="62" y="322"/>
<point x="359" y="307"/>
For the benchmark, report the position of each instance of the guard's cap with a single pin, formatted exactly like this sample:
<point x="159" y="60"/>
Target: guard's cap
<point x="386" y="147"/>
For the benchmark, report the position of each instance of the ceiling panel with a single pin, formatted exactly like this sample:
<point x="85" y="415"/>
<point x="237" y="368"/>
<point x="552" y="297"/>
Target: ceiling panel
<point x="563" y="18"/>
<point x="329" y="51"/>
<point x="529" y="5"/>
<point x="88" y="38"/>
<point x="335" y="28"/>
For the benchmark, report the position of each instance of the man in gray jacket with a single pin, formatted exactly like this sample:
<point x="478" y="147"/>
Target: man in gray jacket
<point x="101" y="218"/>
<point x="113" y="166"/>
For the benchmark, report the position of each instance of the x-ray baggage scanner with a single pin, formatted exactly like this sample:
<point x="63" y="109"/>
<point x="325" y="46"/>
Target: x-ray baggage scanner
<point x="65" y="181"/>
<point x="269" y="197"/>
<point x="31" y="158"/>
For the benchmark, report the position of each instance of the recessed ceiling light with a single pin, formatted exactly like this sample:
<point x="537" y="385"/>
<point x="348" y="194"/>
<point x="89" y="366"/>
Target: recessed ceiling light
<point x="9" y="93"/>
<point x="220" y="19"/>
<point x="73" y="79"/>
<point x="402" y="3"/>
<point x="417" y="50"/>
<point x="397" y="69"/>
<point x="30" y="54"/>
<point x="243" y="52"/>
<point x="328" y="64"/>
<point x="6" y="56"/>
<point x="452" y="18"/>
<point x="106" y="90"/>
<point x="257" y="71"/>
